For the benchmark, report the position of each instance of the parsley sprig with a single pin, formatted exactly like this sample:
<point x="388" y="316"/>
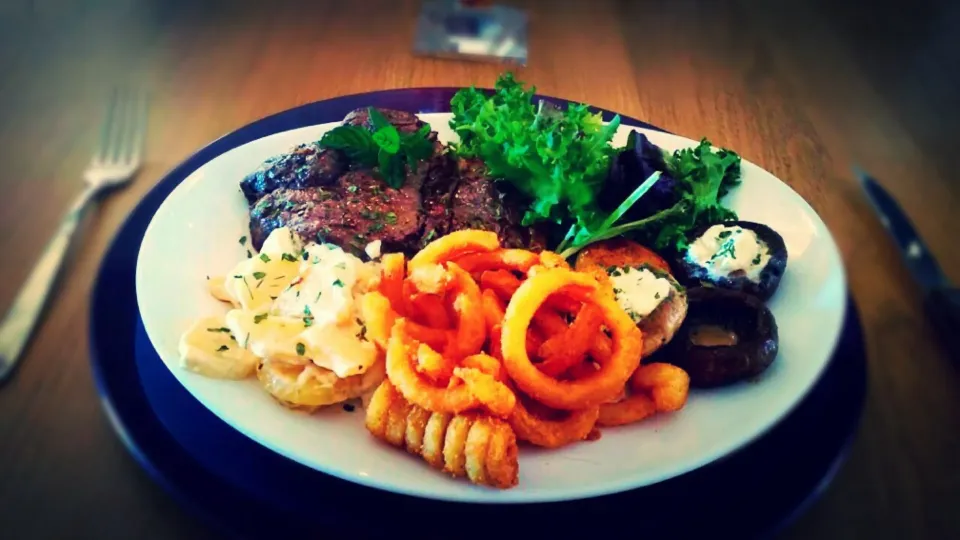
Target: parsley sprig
<point x="385" y="147"/>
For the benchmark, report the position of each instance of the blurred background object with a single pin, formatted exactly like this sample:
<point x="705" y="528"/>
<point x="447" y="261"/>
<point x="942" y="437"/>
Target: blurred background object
<point x="478" y="30"/>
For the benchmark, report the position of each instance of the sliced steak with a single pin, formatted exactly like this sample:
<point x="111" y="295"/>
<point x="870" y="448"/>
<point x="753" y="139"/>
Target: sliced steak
<point x="356" y="211"/>
<point x="305" y="166"/>
<point x="314" y="193"/>
<point x="479" y="204"/>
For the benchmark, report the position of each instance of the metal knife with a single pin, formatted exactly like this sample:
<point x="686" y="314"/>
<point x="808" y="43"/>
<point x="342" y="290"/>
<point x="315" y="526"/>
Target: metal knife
<point x="941" y="299"/>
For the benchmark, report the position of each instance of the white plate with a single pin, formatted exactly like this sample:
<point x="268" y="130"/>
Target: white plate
<point x="195" y="234"/>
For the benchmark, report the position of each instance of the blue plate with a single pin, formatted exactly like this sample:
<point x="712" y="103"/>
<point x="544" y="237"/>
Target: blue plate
<point x="246" y="490"/>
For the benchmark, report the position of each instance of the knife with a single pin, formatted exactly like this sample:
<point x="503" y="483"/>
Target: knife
<point x="941" y="299"/>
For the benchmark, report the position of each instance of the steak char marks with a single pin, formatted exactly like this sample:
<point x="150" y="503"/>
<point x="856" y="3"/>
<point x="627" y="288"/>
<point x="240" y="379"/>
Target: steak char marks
<point x="318" y="195"/>
<point x="351" y="213"/>
<point x="305" y="166"/>
<point x="479" y="204"/>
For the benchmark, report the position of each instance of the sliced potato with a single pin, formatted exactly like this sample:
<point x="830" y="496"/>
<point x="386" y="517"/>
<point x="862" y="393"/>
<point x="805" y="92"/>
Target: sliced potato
<point x="208" y="348"/>
<point x="269" y="336"/>
<point x="663" y="322"/>
<point x="217" y="287"/>
<point x="310" y="387"/>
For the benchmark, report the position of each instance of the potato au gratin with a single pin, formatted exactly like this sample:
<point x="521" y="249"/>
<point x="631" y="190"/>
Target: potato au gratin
<point x="295" y="323"/>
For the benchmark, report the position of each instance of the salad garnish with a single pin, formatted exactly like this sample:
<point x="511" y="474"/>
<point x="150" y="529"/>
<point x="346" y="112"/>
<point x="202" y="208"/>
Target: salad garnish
<point x="385" y="148"/>
<point x="563" y="162"/>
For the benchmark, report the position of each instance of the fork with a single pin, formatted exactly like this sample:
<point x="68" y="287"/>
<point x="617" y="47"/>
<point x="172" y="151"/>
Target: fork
<point x="114" y="163"/>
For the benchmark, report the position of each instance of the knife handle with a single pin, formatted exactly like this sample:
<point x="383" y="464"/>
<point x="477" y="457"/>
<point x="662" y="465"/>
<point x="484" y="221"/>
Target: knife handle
<point x="943" y="309"/>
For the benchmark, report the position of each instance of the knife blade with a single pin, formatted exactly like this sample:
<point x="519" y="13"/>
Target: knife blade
<point x="940" y="299"/>
<point x="925" y="269"/>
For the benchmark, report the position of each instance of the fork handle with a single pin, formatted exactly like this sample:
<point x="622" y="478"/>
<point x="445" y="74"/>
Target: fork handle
<point x="19" y="322"/>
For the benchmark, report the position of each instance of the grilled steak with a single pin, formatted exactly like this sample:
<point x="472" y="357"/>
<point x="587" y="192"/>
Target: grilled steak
<point x="305" y="166"/>
<point x="355" y="211"/>
<point x="315" y="193"/>
<point x="479" y="204"/>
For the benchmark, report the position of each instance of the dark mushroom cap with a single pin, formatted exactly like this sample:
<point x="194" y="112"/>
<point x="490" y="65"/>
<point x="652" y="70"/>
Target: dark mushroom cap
<point x="734" y="311"/>
<point x="692" y="274"/>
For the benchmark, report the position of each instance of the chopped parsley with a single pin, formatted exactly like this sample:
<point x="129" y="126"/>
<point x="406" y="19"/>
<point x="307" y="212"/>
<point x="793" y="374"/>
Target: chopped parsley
<point x="391" y="218"/>
<point x="259" y="275"/>
<point x="264" y="257"/>
<point x="221" y="329"/>
<point x="352" y="189"/>
<point x="338" y="283"/>
<point x="341" y="266"/>
<point x="376" y="227"/>
<point x="223" y="348"/>
<point x="727" y="249"/>
<point x="724" y="234"/>
<point x="249" y="254"/>
<point x="757" y="259"/>
<point x="288" y="257"/>
<point x="318" y="295"/>
<point x="243" y="240"/>
<point x="259" y="317"/>
<point x="301" y="349"/>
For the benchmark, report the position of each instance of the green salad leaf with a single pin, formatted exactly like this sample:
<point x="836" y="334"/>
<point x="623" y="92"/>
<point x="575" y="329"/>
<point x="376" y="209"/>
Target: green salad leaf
<point x="701" y="178"/>
<point x="557" y="158"/>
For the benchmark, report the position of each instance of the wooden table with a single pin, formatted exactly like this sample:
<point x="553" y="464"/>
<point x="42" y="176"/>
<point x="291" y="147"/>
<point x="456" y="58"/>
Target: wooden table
<point x="802" y="90"/>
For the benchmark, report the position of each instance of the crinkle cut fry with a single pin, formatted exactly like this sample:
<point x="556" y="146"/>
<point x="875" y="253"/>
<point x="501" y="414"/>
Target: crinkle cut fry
<point x="479" y="447"/>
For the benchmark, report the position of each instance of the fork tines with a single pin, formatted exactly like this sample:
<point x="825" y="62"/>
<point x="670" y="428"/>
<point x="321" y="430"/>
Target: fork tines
<point x="124" y="128"/>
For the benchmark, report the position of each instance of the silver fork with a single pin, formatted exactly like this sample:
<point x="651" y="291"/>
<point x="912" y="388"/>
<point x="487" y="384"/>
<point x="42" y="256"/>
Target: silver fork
<point x="114" y="163"/>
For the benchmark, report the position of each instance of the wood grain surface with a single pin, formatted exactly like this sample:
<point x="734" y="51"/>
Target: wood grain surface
<point x="804" y="89"/>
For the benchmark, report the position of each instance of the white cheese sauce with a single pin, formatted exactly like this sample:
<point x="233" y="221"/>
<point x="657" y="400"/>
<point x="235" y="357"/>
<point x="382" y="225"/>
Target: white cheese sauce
<point x="725" y="250"/>
<point x="293" y="303"/>
<point x="639" y="291"/>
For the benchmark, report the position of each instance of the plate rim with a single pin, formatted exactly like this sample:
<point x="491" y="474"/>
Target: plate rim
<point x="264" y="127"/>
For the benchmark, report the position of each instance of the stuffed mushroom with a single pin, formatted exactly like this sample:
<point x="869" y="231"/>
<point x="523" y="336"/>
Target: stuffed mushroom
<point x="642" y="285"/>
<point x="736" y="255"/>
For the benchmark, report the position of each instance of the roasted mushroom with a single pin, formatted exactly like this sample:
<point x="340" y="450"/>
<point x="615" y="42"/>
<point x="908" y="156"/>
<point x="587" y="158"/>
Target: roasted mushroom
<point x="728" y="336"/>
<point x="736" y="255"/>
<point x="643" y="286"/>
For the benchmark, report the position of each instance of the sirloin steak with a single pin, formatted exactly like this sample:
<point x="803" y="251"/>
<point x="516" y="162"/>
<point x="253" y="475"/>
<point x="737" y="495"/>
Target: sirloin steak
<point x="307" y="165"/>
<point x="318" y="195"/>
<point x="479" y="204"/>
<point x="351" y="213"/>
